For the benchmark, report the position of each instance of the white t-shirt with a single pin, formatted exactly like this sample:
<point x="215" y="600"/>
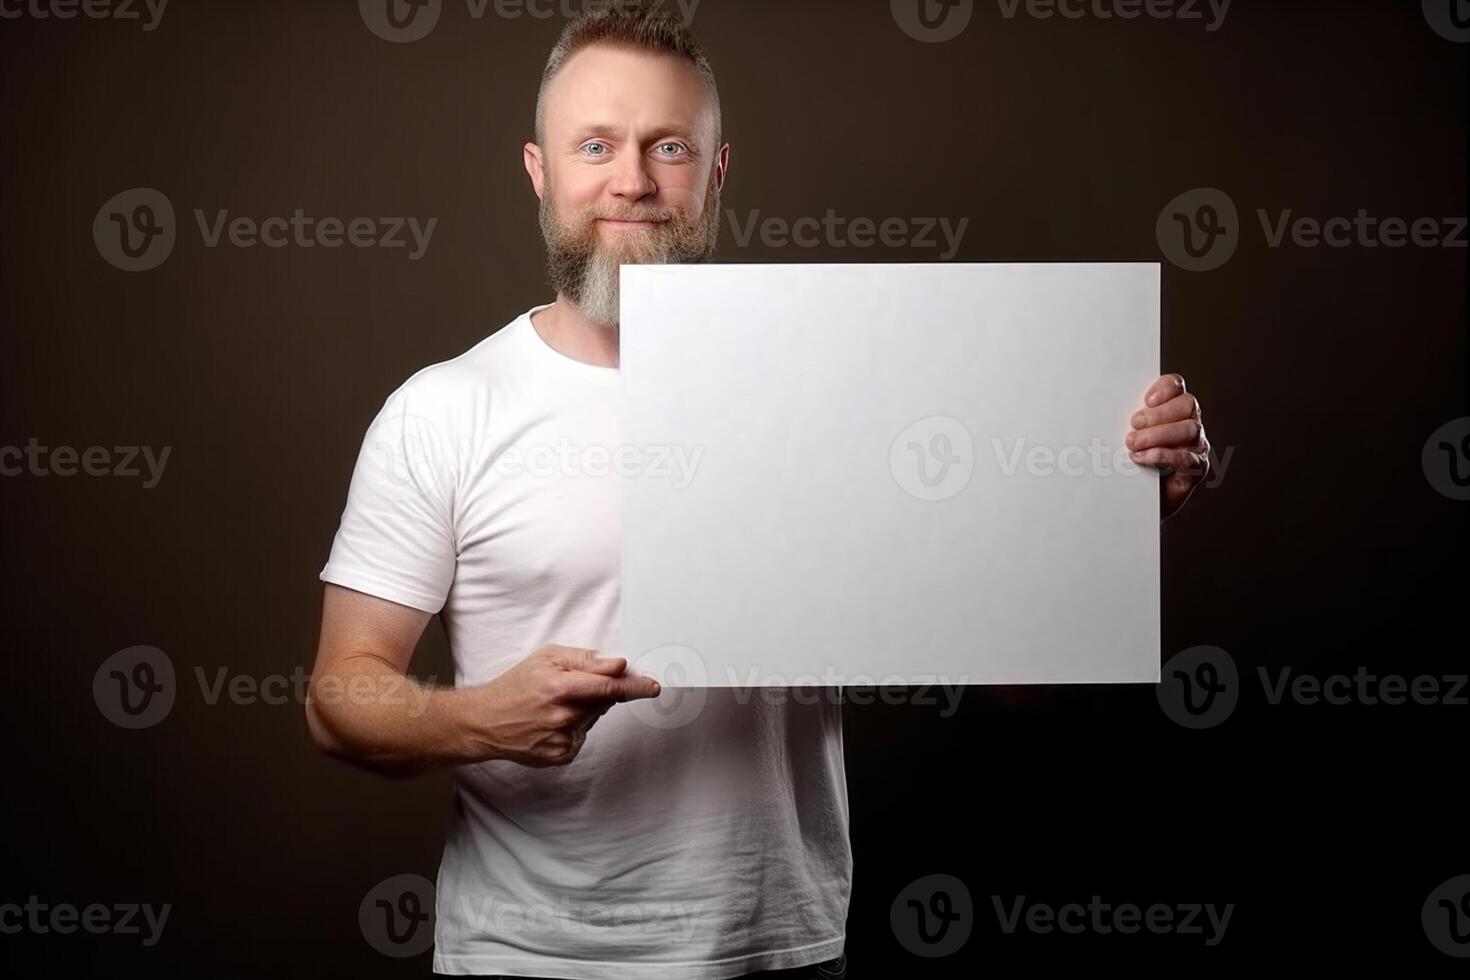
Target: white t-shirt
<point x="487" y="488"/>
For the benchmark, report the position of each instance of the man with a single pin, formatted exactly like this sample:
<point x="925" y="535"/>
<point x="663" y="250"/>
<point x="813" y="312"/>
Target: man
<point x="715" y="849"/>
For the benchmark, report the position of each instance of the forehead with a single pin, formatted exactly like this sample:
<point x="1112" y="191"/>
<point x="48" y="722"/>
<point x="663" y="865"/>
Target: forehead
<point x="617" y="86"/>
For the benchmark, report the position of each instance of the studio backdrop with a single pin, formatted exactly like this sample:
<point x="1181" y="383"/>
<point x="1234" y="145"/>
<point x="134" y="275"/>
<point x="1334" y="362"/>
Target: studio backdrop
<point x="228" y="230"/>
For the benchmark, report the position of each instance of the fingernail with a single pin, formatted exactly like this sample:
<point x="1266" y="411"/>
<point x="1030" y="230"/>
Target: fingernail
<point x="1131" y="438"/>
<point x="1138" y="420"/>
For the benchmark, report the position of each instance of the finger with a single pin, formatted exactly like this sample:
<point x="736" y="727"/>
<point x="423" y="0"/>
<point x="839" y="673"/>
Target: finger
<point x="1184" y="463"/>
<point x="561" y="749"/>
<point x="1174" y="410"/>
<point x="595" y="714"/>
<point x="580" y="658"/>
<point x="611" y="666"/>
<point x="1169" y="386"/>
<point x="579" y="738"/>
<point x="1177" y="488"/>
<point x="581" y="686"/>
<point x="1174" y="435"/>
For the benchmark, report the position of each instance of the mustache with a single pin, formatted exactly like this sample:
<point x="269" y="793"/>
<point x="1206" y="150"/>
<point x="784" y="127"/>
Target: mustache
<point x="658" y="215"/>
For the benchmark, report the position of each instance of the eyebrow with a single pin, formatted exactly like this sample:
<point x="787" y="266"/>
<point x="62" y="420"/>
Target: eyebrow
<point x="611" y="132"/>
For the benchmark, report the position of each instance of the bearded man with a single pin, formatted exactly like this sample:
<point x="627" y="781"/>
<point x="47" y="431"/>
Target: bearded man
<point x="485" y="493"/>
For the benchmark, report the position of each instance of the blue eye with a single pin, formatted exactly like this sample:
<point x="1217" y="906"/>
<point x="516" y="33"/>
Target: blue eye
<point x="677" y="147"/>
<point x="591" y="146"/>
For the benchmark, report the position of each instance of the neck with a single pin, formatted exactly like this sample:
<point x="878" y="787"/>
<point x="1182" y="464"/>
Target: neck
<point x="567" y="330"/>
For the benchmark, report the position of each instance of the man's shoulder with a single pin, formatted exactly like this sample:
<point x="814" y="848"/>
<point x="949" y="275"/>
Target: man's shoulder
<point x="455" y="381"/>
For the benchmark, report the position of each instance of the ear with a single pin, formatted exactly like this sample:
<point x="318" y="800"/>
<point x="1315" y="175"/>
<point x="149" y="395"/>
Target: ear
<point x="722" y="166"/>
<point x="531" y="156"/>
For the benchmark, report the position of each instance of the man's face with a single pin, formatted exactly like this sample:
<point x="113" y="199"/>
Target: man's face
<point x="627" y="171"/>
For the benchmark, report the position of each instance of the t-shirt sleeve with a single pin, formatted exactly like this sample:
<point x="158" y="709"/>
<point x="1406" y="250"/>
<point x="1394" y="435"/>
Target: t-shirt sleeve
<point x="396" y="540"/>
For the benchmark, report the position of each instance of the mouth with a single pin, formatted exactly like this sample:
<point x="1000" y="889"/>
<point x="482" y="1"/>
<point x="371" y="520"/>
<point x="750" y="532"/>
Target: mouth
<point x="617" y="223"/>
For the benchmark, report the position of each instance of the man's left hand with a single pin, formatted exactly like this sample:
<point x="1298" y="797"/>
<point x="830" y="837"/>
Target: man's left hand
<point x="1169" y="435"/>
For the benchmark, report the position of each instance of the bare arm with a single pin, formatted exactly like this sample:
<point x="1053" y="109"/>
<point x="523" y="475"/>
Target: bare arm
<point x="364" y="709"/>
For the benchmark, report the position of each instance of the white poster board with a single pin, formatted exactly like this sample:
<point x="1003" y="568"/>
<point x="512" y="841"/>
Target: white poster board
<point x="900" y="473"/>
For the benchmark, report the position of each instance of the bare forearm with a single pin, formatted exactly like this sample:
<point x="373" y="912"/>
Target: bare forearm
<point x="363" y="708"/>
<point x="368" y="714"/>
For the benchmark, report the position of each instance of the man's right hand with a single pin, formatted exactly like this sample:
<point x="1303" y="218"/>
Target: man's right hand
<point x="538" y="713"/>
<point x="365" y="709"/>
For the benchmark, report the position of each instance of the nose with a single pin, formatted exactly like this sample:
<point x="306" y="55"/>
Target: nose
<point x="630" y="179"/>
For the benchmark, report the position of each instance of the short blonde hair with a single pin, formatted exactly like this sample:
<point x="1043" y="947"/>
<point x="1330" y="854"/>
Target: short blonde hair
<point x="635" y="24"/>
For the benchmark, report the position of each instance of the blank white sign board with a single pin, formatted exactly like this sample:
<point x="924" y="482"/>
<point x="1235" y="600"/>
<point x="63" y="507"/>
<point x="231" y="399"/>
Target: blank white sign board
<point x="893" y="474"/>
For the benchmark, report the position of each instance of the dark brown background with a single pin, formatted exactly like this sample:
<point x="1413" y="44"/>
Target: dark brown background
<point x="1324" y="547"/>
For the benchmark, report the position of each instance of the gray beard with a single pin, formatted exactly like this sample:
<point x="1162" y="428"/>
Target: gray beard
<point x="584" y="270"/>
<point x="596" y="290"/>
